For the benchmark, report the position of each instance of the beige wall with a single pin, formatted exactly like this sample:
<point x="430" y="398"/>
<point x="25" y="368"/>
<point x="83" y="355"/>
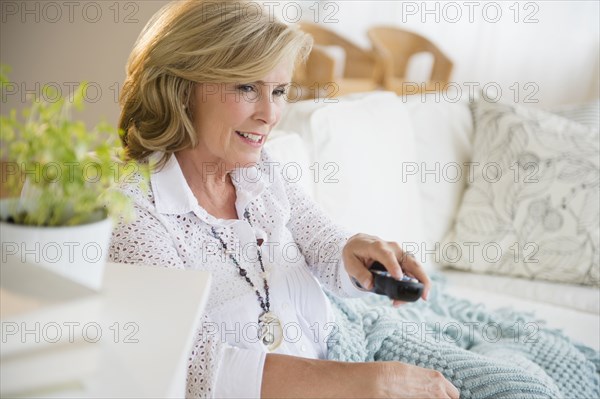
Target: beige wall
<point x="91" y="43"/>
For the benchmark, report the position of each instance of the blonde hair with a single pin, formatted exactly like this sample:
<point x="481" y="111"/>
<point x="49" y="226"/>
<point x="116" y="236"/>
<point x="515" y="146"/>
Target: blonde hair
<point x="196" y="41"/>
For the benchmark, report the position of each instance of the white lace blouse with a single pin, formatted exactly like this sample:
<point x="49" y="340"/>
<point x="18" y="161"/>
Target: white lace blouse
<point x="301" y="250"/>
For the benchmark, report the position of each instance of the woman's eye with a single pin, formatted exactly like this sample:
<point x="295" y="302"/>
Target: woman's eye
<point x="279" y="92"/>
<point x="245" y="88"/>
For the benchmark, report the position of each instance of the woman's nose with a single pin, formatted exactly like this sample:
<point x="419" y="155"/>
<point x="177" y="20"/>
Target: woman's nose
<point x="267" y="110"/>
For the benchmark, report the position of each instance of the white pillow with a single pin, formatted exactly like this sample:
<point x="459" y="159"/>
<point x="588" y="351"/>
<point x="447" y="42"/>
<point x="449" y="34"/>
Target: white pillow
<point x="289" y="150"/>
<point x="358" y="146"/>
<point x="587" y="114"/>
<point x="444" y="133"/>
<point x="532" y="206"/>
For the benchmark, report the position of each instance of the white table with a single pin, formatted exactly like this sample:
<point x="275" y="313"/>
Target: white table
<point x="130" y="340"/>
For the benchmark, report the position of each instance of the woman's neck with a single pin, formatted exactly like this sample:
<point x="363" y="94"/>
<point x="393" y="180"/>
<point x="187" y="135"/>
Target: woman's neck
<point x="210" y="183"/>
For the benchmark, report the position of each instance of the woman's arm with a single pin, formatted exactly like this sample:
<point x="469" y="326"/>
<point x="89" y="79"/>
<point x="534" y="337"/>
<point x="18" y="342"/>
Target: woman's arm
<point x="331" y="251"/>
<point x="295" y="377"/>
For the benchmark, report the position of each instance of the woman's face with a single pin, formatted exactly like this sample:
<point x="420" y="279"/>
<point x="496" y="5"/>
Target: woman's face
<point x="233" y="120"/>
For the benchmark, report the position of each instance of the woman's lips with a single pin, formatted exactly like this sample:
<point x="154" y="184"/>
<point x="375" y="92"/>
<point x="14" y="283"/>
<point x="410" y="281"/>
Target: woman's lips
<point x="253" y="139"/>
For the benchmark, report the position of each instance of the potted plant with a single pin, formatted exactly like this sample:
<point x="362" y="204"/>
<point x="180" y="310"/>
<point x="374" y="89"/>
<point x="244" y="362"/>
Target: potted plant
<point x="59" y="177"/>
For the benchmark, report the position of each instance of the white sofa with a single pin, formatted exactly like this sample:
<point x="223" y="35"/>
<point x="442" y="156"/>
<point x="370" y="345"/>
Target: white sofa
<point x="385" y="165"/>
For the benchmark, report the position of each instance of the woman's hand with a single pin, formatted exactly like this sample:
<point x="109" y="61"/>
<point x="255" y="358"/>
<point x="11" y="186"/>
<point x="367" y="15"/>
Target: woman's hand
<point x="295" y="377"/>
<point x="401" y="380"/>
<point x="362" y="250"/>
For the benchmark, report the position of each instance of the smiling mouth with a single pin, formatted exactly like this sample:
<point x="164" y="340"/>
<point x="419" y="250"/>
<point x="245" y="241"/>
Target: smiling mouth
<point x="253" y="138"/>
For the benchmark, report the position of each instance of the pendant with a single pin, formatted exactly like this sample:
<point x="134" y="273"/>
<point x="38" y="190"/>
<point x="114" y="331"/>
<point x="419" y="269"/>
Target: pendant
<point x="271" y="331"/>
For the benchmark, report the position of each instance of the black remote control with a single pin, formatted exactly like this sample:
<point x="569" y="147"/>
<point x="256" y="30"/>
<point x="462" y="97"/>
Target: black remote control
<point x="408" y="289"/>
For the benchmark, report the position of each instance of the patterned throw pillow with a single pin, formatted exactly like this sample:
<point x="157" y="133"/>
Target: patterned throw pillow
<point x="587" y="114"/>
<point x="531" y="208"/>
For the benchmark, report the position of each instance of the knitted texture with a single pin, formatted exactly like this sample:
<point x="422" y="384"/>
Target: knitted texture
<point x="499" y="354"/>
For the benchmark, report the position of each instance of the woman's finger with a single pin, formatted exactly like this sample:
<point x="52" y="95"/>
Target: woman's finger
<point x="356" y="269"/>
<point x="397" y="303"/>
<point x="452" y="391"/>
<point x="361" y="251"/>
<point x="413" y="268"/>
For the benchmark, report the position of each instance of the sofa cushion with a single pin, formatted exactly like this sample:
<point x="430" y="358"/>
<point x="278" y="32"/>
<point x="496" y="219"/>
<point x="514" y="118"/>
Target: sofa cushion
<point x="443" y="134"/>
<point x="577" y="297"/>
<point x="531" y="207"/>
<point x="358" y="145"/>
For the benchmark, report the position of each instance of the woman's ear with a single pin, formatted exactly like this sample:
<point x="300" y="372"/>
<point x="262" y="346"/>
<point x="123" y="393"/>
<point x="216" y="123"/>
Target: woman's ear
<point x="189" y="100"/>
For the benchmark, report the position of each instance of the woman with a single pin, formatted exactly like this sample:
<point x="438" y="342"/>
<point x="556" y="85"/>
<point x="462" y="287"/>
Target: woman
<point x="205" y="85"/>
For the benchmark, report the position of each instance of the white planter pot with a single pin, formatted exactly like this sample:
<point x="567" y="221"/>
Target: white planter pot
<point x="77" y="253"/>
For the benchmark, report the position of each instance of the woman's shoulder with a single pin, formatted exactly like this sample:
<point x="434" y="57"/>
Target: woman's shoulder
<point x="133" y="180"/>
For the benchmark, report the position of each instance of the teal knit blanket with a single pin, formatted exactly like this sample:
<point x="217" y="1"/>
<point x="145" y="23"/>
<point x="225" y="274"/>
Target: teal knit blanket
<point x="485" y="354"/>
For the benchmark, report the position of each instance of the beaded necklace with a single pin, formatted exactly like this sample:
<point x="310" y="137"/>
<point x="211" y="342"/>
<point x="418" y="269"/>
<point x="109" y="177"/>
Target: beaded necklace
<point x="270" y="332"/>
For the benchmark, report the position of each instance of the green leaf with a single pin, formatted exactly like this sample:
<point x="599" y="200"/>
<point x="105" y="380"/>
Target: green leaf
<point x="70" y="169"/>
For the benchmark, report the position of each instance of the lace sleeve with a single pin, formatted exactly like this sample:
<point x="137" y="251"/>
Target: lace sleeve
<point x="203" y="363"/>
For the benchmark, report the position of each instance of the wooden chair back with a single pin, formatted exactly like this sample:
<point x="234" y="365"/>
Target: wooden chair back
<point x="395" y="47"/>
<point x="361" y="71"/>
